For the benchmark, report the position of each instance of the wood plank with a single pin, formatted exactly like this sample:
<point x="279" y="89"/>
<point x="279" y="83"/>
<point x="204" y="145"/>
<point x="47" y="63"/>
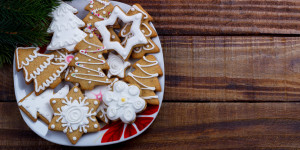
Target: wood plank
<point x="214" y="68"/>
<point x="187" y="126"/>
<point x="223" y="17"/>
<point x="232" y="68"/>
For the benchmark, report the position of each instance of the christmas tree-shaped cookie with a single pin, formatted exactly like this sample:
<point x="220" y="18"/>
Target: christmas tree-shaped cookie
<point x="88" y="64"/>
<point x="39" y="106"/>
<point x="39" y="68"/>
<point x="146" y="73"/>
<point x="146" y="28"/>
<point x="65" y="28"/>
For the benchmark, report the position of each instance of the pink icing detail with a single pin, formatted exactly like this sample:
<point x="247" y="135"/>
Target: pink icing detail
<point x="98" y="96"/>
<point x="69" y="58"/>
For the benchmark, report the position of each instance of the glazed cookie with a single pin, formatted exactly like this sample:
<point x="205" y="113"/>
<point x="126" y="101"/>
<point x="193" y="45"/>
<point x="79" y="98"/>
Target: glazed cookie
<point x="74" y="115"/>
<point x="123" y="102"/>
<point x="138" y="38"/>
<point x="38" y="106"/>
<point x="39" y="68"/>
<point x="147" y="30"/>
<point x="88" y="69"/>
<point x="145" y="74"/>
<point x="117" y="66"/>
<point x="65" y="27"/>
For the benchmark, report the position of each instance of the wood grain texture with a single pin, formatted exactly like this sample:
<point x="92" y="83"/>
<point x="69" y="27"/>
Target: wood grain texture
<point x="187" y="126"/>
<point x="232" y="68"/>
<point x="223" y="17"/>
<point x="214" y="68"/>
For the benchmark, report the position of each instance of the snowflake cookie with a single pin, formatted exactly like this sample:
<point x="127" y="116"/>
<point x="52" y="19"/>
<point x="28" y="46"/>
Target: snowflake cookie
<point x="74" y="115"/>
<point x="123" y="102"/>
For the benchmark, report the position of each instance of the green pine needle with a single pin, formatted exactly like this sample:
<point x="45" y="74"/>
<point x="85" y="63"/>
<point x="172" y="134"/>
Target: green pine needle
<point x="23" y="23"/>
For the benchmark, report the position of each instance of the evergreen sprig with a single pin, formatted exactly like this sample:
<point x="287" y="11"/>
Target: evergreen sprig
<point x="23" y="23"/>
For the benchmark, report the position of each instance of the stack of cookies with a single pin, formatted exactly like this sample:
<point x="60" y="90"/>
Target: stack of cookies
<point x="95" y="55"/>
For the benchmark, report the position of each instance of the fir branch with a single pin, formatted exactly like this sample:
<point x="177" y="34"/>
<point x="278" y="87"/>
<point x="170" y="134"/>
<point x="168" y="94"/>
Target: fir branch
<point x="23" y="23"/>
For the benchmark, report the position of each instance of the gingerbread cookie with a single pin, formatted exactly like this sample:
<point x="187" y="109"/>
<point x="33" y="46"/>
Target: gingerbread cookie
<point x="147" y="30"/>
<point x="65" y="27"/>
<point x="74" y="115"/>
<point x="88" y="69"/>
<point x="138" y="38"/>
<point x="146" y="75"/>
<point x="123" y="102"/>
<point x="38" y="68"/>
<point x="90" y="42"/>
<point x="38" y="106"/>
<point x="117" y="66"/>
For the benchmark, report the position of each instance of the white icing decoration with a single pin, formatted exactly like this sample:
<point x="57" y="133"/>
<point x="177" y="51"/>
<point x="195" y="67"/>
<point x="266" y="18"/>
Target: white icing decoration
<point x="150" y="97"/>
<point x="96" y="102"/>
<point x="65" y="25"/>
<point x="91" y="35"/>
<point x="74" y="138"/>
<point x="153" y="63"/>
<point x="117" y="65"/>
<point x="36" y="104"/>
<point x="54" y="101"/>
<point x="139" y="49"/>
<point x="74" y="115"/>
<point x="52" y="126"/>
<point x="138" y="9"/>
<point x="137" y="39"/>
<point x="51" y="79"/>
<point x="75" y="90"/>
<point x="63" y="58"/>
<point x="124" y="102"/>
<point x="101" y="47"/>
<point x="23" y="64"/>
<point x="94" y="11"/>
<point x="91" y="17"/>
<point x="95" y="125"/>
<point x="81" y="64"/>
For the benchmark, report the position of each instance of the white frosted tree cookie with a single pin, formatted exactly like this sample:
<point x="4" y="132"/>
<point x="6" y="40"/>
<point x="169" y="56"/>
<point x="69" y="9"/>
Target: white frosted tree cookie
<point x="65" y="27"/>
<point x="39" y="106"/>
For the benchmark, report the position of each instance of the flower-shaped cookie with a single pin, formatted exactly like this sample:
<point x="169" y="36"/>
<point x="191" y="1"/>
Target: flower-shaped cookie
<point x="117" y="66"/>
<point x="74" y="115"/>
<point x="123" y="102"/>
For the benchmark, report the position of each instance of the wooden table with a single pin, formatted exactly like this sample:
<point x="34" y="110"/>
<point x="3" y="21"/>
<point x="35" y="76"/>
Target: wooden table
<point x="232" y="78"/>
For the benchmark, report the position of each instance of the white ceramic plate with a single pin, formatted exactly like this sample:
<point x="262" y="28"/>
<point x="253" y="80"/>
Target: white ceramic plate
<point x="123" y="131"/>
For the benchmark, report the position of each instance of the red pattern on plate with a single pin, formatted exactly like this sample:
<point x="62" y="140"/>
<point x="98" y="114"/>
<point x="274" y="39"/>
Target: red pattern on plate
<point x="129" y="131"/>
<point x="115" y="129"/>
<point x="151" y="109"/>
<point x="114" y="132"/>
<point x="143" y="122"/>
